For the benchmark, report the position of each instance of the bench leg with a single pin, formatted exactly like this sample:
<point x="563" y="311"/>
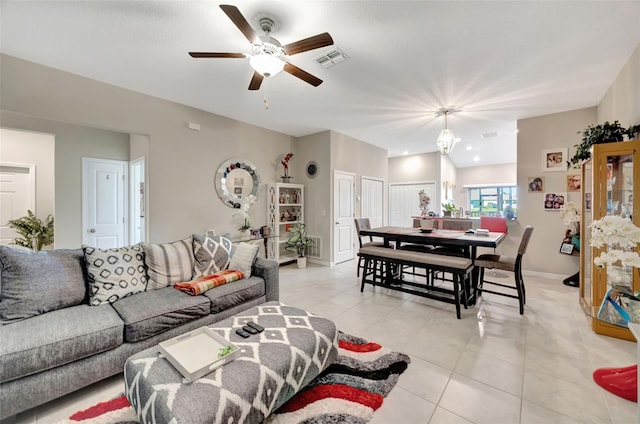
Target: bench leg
<point x="456" y="294"/>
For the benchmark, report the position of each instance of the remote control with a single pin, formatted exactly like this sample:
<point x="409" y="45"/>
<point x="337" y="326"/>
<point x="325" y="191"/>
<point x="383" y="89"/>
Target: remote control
<point x="256" y="326"/>
<point x="250" y="329"/>
<point x="242" y="333"/>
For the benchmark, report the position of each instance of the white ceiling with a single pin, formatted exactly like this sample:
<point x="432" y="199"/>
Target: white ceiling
<point x="494" y="61"/>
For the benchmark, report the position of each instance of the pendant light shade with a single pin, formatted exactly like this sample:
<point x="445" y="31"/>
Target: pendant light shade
<point x="446" y="140"/>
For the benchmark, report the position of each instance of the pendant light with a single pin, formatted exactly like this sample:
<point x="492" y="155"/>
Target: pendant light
<point x="446" y="140"/>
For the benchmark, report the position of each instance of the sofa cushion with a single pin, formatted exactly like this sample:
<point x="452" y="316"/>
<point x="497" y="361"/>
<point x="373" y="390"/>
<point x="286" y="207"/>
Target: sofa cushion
<point x="168" y="263"/>
<point x="211" y="254"/>
<point x="57" y="338"/>
<point x="33" y="283"/>
<point x="114" y="273"/>
<point x="243" y="257"/>
<point x="230" y="295"/>
<point x="153" y="312"/>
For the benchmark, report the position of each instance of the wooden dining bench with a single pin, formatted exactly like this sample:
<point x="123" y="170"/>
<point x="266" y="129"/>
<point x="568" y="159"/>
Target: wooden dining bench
<point x="376" y="275"/>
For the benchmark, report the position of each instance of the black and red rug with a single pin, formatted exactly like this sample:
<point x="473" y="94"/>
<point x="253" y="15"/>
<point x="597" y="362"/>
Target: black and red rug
<point x="349" y="391"/>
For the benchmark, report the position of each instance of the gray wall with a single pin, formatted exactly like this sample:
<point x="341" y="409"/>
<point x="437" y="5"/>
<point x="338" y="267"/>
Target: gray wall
<point x="534" y="136"/>
<point x="622" y="100"/>
<point x="72" y="143"/>
<point x="181" y="163"/>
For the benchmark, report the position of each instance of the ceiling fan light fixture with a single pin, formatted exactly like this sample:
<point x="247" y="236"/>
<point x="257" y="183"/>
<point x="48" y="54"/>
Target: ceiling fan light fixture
<point x="266" y="64"/>
<point x="446" y="140"/>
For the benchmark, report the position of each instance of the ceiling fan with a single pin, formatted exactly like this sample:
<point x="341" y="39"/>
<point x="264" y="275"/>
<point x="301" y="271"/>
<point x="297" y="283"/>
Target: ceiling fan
<point x="268" y="56"/>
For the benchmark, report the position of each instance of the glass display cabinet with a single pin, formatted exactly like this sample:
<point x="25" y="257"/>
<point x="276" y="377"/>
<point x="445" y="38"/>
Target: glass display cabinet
<point x="609" y="188"/>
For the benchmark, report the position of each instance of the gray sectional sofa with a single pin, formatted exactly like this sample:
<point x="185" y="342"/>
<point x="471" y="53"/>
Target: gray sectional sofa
<point x="56" y="337"/>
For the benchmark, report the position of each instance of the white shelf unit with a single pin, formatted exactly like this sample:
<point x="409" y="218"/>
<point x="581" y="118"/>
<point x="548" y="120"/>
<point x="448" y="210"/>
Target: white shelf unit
<point x="285" y="207"/>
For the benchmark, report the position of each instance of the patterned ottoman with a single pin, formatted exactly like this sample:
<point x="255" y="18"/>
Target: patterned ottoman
<point x="274" y="365"/>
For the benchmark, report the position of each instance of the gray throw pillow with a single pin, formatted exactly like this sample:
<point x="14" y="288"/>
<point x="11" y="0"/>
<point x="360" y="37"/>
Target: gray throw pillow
<point x="114" y="273"/>
<point x="243" y="257"/>
<point x="168" y="263"/>
<point x="37" y="282"/>
<point x="211" y="254"/>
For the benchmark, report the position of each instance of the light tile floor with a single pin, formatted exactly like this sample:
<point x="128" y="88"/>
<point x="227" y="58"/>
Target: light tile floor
<point x="492" y="366"/>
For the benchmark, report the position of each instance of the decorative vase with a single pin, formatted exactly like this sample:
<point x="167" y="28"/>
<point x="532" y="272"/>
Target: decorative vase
<point x="446" y="213"/>
<point x="302" y="262"/>
<point x="286" y="178"/>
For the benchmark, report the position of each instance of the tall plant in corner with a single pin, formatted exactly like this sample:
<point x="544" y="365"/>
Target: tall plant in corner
<point x="299" y="242"/>
<point x="601" y="133"/>
<point x="34" y="232"/>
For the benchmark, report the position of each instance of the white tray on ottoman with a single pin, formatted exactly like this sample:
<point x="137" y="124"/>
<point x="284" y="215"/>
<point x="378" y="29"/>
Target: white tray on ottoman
<point x="270" y="368"/>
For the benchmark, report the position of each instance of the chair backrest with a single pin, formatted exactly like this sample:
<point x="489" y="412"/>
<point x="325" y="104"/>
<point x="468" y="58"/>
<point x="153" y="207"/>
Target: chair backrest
<point x="362" y="224"/>
<point x="495" y="224"/>
<point x="526" y="236"/>
<point x="456" y="224"/>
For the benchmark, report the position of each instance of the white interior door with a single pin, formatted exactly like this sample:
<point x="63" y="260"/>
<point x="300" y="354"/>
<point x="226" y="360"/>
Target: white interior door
<point x="404" y="202"/>
<point x="372" y="200"/>
<point x="343" y="214"/>
<point x="17" y="195"/>
<point x="104" y="202"/>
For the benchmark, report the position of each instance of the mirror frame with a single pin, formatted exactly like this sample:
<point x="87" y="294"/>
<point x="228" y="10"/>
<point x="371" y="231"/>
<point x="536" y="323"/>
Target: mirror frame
<point x="227" y="197"/>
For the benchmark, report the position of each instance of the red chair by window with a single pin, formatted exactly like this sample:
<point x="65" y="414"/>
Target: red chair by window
<point x="495" y="224"/>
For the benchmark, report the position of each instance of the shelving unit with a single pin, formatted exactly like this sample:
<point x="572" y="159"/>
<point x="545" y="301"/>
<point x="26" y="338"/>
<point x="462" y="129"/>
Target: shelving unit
<point x="285" y="207"/>
<point x="607" y="189"/>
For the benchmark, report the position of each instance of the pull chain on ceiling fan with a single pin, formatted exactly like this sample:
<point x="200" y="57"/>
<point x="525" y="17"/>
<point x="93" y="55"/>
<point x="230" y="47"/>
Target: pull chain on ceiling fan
<point x="268" y="57"/>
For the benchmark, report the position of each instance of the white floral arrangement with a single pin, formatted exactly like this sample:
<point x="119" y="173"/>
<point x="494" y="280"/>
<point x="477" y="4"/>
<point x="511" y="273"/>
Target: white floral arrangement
<point x="244" y="211"/>
<point x="619" y="235"/>
<point x="570" y="215"/>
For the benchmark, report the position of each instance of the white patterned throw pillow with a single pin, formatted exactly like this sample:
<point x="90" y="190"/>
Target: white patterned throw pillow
<point x="211" y="254"/>
<point x="243" y="257"/>
<point x="114" y="273"/>
<point x="168" y="263"/>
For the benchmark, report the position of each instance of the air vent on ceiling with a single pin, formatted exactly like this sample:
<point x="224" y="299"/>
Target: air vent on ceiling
<point x="490" y="134"/>
<point x="331" y="58"/>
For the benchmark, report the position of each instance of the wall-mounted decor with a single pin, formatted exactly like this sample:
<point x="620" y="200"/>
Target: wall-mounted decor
<point x="554" y="159"/>
<point x="312" y="169"/>
<point x="554" y="201"/>
<point x="235" y="179"/>
<point x="535" y="184"/>
<point x="574" y="182"/>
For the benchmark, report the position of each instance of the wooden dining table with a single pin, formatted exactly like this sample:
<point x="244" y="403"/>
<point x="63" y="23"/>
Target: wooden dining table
<point x="447" y="238"/>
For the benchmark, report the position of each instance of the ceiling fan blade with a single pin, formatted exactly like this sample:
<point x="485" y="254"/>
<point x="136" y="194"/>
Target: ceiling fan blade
<point x="303" y="75"/>
<point x="256" y="81"/>
<point x="210" y="54"/>
<point x="236" y="17"/>
<point x="315" y="42"/>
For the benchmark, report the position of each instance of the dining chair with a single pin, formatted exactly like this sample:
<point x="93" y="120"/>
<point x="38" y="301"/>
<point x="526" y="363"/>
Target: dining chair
<point x="364" y="224"/>
<point x="495" y="224"/>
<point x="457" y="225"/>
<point x="506" y="263"/>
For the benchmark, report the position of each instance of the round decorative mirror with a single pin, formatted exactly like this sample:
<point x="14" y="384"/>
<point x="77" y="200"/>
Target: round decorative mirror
<point x="235" y="180"/>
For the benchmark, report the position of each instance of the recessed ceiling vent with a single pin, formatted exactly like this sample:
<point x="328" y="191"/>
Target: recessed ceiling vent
<point x="331" y="58"/>
<point x="490" y="134"/>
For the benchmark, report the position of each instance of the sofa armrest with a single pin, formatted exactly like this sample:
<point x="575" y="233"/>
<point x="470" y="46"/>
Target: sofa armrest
<point x="270" y="271"/>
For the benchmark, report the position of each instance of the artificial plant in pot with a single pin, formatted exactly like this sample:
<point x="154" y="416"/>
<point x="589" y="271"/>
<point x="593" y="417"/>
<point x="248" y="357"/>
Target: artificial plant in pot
<point x="598" y="134"/>
<point x="34" y="232"/>
<point x="448" y="209"/>
<point x="298" y="242"/>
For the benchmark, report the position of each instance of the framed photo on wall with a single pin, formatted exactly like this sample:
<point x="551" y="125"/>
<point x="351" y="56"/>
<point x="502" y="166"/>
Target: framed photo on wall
<point x="554" y="159"/>
<point x="535" y="184"/>
<point x="574" y="182"/>
<point x="554" y="201"/>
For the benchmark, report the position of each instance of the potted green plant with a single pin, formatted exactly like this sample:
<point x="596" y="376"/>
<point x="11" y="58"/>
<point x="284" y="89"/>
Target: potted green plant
<point x="597" y="134"/>
<point x="34" y="232"/>
<point x="298" y="242"/>
<point x="448" y="209"/>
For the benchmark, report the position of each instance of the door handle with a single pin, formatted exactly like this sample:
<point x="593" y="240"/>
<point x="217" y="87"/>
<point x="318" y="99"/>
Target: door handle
<point x="93" y="230"/>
